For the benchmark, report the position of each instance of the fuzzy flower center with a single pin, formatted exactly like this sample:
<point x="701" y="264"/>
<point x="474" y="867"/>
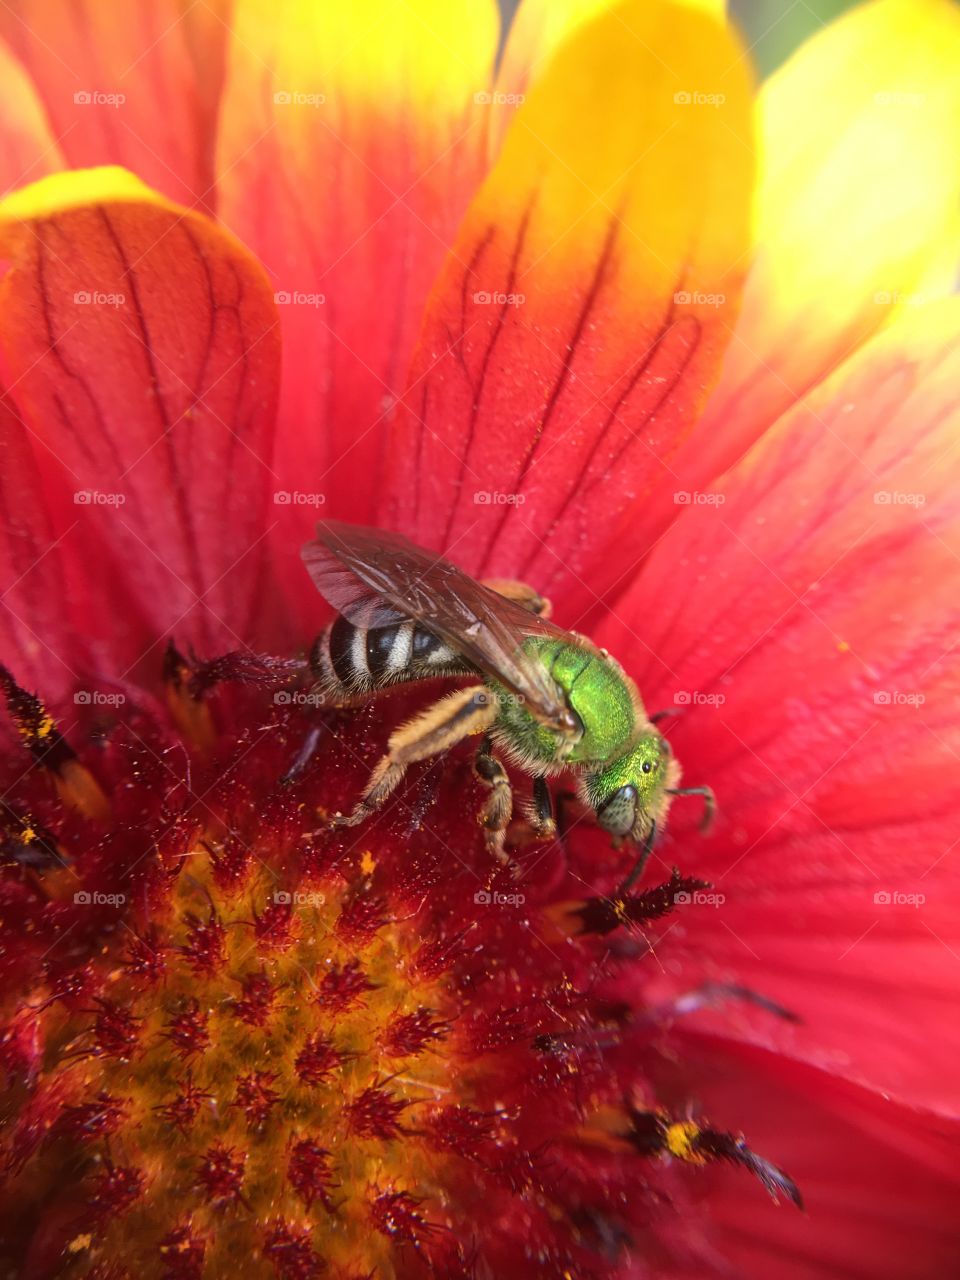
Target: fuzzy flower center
<point x="278" y="1054"/>
<point x="267" y="1058"/>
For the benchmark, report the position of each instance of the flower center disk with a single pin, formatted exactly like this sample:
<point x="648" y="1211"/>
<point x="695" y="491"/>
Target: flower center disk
<point x="265" y="1050"/>
<point x="275" y="1052"/>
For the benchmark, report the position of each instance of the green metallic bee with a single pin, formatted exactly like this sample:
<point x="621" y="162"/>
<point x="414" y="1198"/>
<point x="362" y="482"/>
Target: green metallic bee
<point x="548" y="700"/>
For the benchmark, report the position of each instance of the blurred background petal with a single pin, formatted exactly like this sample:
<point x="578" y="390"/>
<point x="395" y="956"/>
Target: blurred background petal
<point x="131" y="84"/>
<point x="352" y="140"/>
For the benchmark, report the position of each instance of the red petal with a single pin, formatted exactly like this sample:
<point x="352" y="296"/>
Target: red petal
<point x="805" y="628"/>
<point x="139" y="345"/>
<point x="38" y="630"/>
<point x="879" y="1180"/>
<point x="874" y="984"/>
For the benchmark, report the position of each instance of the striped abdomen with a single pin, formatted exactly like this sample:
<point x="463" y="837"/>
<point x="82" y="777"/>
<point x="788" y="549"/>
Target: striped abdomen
<point x="350" y="660"/>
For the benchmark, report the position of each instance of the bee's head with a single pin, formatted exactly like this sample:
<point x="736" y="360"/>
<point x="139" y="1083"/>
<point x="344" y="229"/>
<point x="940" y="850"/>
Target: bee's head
<point x="632" y="793"/>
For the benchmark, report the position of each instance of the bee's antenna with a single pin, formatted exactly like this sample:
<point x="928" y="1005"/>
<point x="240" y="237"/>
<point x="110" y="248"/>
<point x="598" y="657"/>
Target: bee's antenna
<point x="638" y="867"/>
<point x="709" y="803"/>
<point x="667" y="714"/>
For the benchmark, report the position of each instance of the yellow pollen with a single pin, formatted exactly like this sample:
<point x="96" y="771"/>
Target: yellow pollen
<point x="680" y="1137"/>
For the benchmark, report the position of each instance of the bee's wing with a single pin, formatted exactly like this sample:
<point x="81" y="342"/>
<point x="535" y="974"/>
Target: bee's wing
<point x="374" y="579"/>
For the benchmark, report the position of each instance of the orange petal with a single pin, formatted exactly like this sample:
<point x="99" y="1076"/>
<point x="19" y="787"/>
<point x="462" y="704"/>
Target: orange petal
<point x="351" y="145"/>
<point x="538" y="30"/>
<point x="139" y="347"/>
<point x="132" y="84"/>
<point x="540" y="27"/>
<point x="858" y="207"/>
<point x="586" y="305"/>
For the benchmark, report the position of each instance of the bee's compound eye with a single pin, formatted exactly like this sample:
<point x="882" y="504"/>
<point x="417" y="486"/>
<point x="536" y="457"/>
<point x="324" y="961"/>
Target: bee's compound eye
<point x="618" y="811"/>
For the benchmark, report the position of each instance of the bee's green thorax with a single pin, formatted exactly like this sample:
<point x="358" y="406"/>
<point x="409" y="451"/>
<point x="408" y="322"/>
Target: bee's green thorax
<point x="596" y="690"/>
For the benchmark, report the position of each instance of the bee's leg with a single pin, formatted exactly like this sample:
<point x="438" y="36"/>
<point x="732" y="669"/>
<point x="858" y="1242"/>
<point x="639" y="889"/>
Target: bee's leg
<point x="497" y="810"/>
<point x="567" y="803"/>
<point x="304" y="755"/>
<point x="459" y="715"/>
<point x="567" y="812"/>
<point x="710" y="994"/>
<point x="522" y="594"/>
<point x="539" y="809"/>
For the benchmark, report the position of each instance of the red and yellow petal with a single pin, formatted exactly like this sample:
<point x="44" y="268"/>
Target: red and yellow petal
<point x="132" y="84"/>
<point x="879" y="1178"/>
<point x="820" y="703"/>
<point x="352" y="139"/>
<point x="139" y="352"/>
<point x="858" y="209"/>
<point x="585" y="307"/>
